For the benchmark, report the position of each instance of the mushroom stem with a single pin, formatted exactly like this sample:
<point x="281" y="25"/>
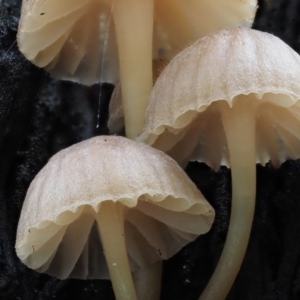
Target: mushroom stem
<point x="134" y="30"/>
<point x="148" y="281"/>
<point x="239" y="126"/>
<point x="110" y="221"/>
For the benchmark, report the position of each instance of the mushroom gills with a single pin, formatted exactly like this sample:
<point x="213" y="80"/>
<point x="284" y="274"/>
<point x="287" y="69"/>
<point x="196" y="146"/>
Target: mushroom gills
<point x="93" y="59"/>
<point x="70" y="45"/>
<point x="144" y="227"/>
<point x="276" y="138"/>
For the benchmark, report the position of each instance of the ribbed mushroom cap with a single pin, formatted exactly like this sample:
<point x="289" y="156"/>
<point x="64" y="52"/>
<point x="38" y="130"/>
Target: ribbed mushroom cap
<point x="57" y="232"/>
<point x="183" y="114"/>
<point x="75" y="40"/>
<point x="70" y="39"/>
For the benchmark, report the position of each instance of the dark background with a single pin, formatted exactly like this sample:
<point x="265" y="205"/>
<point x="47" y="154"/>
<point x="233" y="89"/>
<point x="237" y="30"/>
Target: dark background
<point x="40" y="116"/>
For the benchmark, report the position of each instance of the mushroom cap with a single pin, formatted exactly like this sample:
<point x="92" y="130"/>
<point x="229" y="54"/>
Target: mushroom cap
<point x="224" y="66"/>
<point x="75" y="40"/>
<point x="164" y="210"/>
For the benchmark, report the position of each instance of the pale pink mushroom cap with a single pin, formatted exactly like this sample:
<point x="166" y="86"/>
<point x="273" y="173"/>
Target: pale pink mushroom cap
<point x="183" y="116"/>
<point x="57" y="232"/>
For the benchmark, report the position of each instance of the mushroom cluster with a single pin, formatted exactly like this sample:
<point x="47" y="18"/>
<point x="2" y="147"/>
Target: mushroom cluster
<point x="230" y="99"/>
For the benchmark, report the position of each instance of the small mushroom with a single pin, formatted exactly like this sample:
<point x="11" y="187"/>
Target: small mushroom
<point x="84" y="40"/>
<point x="232" y="98"/>
<point x="111" y="194"/>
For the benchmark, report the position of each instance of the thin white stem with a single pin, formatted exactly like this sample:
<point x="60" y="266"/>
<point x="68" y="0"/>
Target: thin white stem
<point x="110" y="221"/>
<point x="148" y="281"/>
<point x="239" y="126"/>
<point x="134" y="30"/>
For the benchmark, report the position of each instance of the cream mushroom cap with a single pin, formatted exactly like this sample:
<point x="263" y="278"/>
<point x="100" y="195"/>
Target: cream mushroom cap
<point x="163" y="209"/>
<point x="257" y="64"/>
<point x="69" y="39"/>
<point x="93" y="41"/>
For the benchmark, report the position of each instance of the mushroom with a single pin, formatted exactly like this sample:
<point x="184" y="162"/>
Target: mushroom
<point x="233" y="99"/>
<point x="81" y="40"/>
<point x="113" y="194"/>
